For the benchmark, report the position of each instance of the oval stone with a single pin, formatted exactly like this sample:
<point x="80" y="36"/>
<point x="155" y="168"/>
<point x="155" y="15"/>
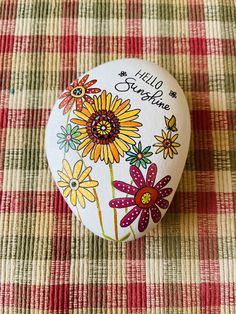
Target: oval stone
<point x="116" y="143"/>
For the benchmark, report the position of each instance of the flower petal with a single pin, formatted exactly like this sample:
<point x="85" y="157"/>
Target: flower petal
<point x="80" y="198"/>
<point x="155" y="213"/>
<point x="123" y="108"/>
<point x="166" y="151"/>
<point x="77" y="169"/>
<point x="130" y="217"/>
<point x="63" y="176"/>
<point x="175" y="144"/>
<point x="84" y="174"/>
<point x="146" y="150"/>
<point x="151" y="174"/>
<point x="65" y="94"/>
<point x="143" y="220"/>
<point x="130" y="124"/>
<point x="78" y="121"/>
<point x="88" y="99"/>
<point x="72" y="145"/>
<point x="163" y="203"/>
<point x="93" y="90"/>
<point x="129" y="114"/>
<point x="125" y="187"/>
<point x="63" y="184"/>
<point x="170" y="152"/>
<point x="123" y="146"/>
<point x="73" y="197"/>
<point x="67" y="168"/>
<point x="68" y="106"/>
<point x="81" y="115"/>
<point x="79" y="104"/>
<point x="65" y="101"/>
<point x="159" y="138"/>
<point x="89" y="184"/>
<point x="67" y="191"/>
<point x="159" y="150"/>
<point x="90" y="83"/>
<point x="89" y="107"/>
<point x="122" y="202"/>
<point x="137" y="176"/>
<point x="86" y="193"/>
<point x="163" y="182"/>
<point x="163" y="134"/>
<point x="174" y="137"/>
<point x="115" y="152"/>
<point x="83" y="80"/>
<point x="164" y="192"/>
<point x="88" y="149"/>
<point x="126" y="139"/>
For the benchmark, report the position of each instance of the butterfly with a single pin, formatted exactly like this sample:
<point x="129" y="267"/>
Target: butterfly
<point x="171" y="123"/>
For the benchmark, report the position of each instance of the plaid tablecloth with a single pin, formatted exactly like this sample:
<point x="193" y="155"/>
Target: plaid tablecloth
<point x="49" y="262"/>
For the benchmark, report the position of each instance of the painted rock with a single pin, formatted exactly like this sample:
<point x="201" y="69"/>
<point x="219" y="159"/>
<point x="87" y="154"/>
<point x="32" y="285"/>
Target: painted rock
<point x="116" y="142"/>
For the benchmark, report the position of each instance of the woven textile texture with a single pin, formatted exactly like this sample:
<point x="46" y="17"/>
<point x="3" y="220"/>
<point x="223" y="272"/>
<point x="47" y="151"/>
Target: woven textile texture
<point x="49" y="262"/>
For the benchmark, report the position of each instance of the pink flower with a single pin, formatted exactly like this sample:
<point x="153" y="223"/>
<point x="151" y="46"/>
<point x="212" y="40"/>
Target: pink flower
<point x="146" y="197"/>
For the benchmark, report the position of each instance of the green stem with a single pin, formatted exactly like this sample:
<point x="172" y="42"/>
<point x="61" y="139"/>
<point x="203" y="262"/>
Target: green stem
<point x="126" y="211"/>
<point x="96" y="198"/>
<point x="113" y="196"/>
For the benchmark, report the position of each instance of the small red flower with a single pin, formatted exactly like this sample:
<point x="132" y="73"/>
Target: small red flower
<point x="76" y="92"/>
<point x="145" y="197"/>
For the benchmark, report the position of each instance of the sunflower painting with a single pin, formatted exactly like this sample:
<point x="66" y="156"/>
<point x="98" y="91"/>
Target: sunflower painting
<point x="108" y="127"/>
<point x="76" y="92"/>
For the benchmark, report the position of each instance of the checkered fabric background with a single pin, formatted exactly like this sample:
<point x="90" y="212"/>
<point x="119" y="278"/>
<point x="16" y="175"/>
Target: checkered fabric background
<point x="50" y="263"/>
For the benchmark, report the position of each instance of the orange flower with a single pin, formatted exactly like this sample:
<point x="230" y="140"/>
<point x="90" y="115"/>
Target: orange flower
<point x="107" y="128"/>
<point x="76" y="92"/>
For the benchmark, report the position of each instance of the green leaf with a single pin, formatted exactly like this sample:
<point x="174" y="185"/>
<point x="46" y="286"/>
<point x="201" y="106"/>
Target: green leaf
<point x="129" y="158"/>
<point x="61" y="140"/>
<point x="131" y="154"/>
<point x="74" y="130"/>
<point x="146" y="160"/>
<point x="68" y="129"/>
<point x="146" y="149"/>
<point x="108" y="238"/>
<point x="63" y="130"/>
<point x="72" y="145"/>
<point x="148" y="154"/>
<point x="61" y="135"/>
<point x="143" y="164"/>
<point x="67" y="146"/>
<point x="140" y="146"/>
<point x="135" y="149"/>
<point x="125" y="237"/>
<point x="62" y="145"/>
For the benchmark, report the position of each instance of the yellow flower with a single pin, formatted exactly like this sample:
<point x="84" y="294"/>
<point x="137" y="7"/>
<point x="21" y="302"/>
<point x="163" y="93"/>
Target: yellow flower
<point x="167" y="144"/>
<point x="74" y="184"/>
<point x="107" y="128"/>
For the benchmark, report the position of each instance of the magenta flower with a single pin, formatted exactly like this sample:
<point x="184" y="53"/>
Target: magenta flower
<point x="146" y="197"/>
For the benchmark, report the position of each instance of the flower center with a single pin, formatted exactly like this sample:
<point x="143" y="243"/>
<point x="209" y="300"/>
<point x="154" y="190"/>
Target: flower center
<point x="139" y="156"/>
<point x="74" y="184"/>
<point x="68" y="137"/>
<point x="103" y="127"/>
<point x="167" y="143"/>
<point x="146" y="197"/>
<point x="78" y="92"/>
